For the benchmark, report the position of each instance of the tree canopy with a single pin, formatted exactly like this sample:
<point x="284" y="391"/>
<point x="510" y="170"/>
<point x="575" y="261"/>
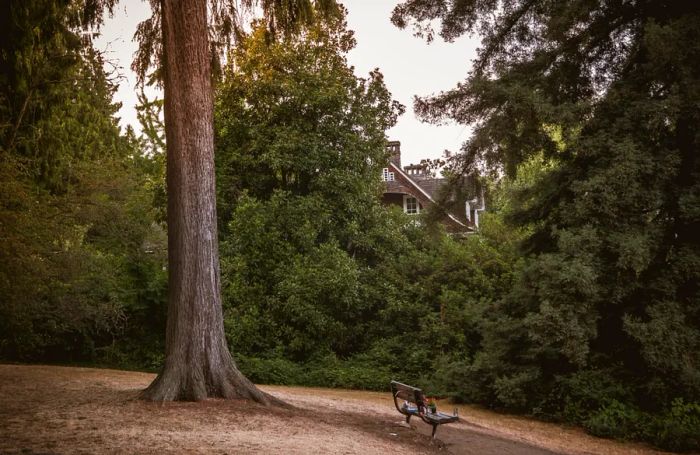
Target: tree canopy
<point x="607" y="93"/>
<point x="301" y="143"/>
<point x="73" y="212"/>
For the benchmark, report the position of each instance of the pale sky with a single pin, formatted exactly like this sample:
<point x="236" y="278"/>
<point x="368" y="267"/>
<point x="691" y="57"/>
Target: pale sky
<point x="410" y="67"/>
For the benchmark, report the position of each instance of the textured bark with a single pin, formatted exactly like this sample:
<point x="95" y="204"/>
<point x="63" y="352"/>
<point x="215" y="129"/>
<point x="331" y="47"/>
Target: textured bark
<point x="198" y="364"/>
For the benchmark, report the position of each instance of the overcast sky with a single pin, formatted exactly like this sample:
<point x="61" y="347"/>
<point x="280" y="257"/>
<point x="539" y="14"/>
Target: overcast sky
<point x="410" y="67"/>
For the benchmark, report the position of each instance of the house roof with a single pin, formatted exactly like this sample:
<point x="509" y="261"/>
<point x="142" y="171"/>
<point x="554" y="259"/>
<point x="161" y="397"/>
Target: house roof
<point x="423" y="191"/>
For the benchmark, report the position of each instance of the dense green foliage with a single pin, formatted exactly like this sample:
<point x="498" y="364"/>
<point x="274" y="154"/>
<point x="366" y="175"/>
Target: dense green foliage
<point x="302" y="228"/>
<point x="81" y="260"/>
<point x="578" y="300"/>
<point x="323" y="285"/>
<point x="602" y="326"/>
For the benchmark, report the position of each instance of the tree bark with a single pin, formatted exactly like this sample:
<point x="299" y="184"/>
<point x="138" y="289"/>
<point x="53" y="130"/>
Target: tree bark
<point x="198" y="364"/>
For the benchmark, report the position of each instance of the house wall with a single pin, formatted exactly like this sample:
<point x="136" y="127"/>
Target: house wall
<point x="397" y="200"/>
<point x="401" y="186"/>
<point x="393" y="199"/>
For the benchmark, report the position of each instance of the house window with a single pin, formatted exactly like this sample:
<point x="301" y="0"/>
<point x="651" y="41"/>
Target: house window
<point x="410" y="205"/>
<point x="387" y="176"/>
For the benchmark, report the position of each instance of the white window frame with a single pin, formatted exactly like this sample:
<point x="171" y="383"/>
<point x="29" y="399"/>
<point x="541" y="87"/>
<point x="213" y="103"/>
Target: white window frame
<point x="387" y="176"/>
<point x="406" y="198"/>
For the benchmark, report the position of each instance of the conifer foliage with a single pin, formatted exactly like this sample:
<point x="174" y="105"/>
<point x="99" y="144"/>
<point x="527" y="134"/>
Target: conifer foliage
<point x="606" y="310"/>
<point x="73" y="214"/>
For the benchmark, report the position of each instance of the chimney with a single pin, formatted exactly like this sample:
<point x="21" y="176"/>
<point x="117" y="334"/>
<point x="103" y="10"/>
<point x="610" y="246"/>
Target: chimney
<point x="394" y="150"/>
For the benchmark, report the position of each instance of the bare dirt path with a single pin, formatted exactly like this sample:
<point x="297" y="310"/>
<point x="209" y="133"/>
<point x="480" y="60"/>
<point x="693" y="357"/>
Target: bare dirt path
<point x="50" y="410"/>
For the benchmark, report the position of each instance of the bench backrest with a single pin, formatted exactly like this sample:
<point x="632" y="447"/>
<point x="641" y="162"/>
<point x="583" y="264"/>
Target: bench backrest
<point x="408" y="393"/>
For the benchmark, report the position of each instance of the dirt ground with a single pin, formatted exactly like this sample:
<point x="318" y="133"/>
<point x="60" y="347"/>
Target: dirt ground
<point x="52" y="410"/>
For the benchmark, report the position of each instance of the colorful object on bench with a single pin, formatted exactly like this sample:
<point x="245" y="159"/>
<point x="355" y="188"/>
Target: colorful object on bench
<point x="430" y="403"/>
<point x="415" y="403"/>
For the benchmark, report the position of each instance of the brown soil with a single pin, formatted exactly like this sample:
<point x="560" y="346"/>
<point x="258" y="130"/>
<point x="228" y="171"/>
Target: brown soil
<point x="51" y="410"/>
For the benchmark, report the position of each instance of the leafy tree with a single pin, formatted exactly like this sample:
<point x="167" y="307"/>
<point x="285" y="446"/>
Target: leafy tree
<point x="301" y="142"/>
<point x="611" y="283"/>
<point x="310" y="258"/>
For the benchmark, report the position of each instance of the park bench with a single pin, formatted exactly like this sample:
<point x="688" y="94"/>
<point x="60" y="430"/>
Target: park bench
<point x="413" y="403"/>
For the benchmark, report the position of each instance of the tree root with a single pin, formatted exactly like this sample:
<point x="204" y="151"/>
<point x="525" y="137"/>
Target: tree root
<point x="196" y="383"/>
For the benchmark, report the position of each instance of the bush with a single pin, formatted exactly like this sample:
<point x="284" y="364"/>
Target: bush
<point x="577" y="397"/>
<point x="515" y="390"/>
<point x="356" y="373"/>
<point x="271" y="371"/>
<point x="325" y="371"/>
<point x="370" y="371"/>
<point x="679" y="428"/>
<point x="616" y="420"/>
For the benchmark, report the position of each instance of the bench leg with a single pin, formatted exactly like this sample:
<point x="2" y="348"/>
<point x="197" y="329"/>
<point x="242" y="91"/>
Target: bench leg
<point x="434" y="428"/>
<point x="408" y="418"/>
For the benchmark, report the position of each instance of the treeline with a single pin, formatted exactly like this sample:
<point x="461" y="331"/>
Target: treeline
<point x="577" y="300"/>
<point x="602" y="324"/>
<point x="81" y="263"/>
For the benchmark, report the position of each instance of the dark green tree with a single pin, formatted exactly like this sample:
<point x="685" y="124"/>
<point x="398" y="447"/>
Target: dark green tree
<point x="609" y="92"/>
<point x="72" y="215"/>
<point x="41" y="42"/>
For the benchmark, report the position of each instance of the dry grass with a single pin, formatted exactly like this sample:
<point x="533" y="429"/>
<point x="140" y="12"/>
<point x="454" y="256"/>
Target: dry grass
<point x="555" y="437"/>
<point x="79" y="410"/>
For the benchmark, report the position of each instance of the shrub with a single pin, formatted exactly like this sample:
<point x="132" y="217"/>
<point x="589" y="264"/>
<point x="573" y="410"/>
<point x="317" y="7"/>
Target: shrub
<point x="578" y="396"/>
<point x="326" y="371"/>
<point x="271" y="371"/>
<point x="616" y="420"/>
<point x="679" y="428"/>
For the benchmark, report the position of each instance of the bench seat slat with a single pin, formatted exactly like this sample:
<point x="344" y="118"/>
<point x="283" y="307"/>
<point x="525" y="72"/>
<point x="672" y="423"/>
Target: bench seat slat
<point x="440" y="417"/>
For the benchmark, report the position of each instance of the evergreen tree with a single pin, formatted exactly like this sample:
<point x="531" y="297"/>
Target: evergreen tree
<point x="609" y="295"/>
<point x="72" y="215"/>
<point x="197" y="362"/>
<point x="40" y="44"/>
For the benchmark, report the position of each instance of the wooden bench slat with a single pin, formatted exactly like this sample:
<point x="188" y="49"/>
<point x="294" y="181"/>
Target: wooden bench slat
<point x="441" y="417"/>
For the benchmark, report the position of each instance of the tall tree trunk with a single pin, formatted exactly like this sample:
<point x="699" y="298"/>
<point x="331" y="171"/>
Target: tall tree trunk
<point x="197" y="363"/>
